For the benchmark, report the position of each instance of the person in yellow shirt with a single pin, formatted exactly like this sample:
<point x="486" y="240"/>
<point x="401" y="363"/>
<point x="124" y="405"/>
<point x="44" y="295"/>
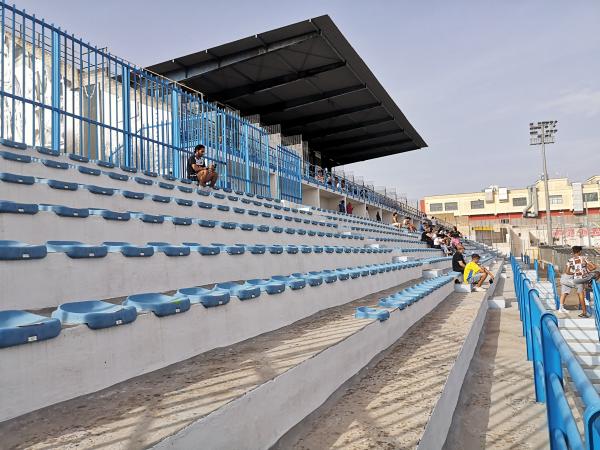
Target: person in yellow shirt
<point x="475" y="274"/>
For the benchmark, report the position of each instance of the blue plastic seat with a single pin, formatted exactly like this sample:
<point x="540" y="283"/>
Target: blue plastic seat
<point x="170" y="250"/>
<point x="327" y="277"/>
<point x="161" y="198"/>
<point x="89" y="171"/>
<point x="113" y="215"/>
<point x="262" y="228"/>
<point x="241" y="291"/>
<point x="208" y="298"/>
<point x="99" y="190"/>
<point x="246" y="226"/>
<point x="105" y="164"/>
<point x="364" y="312"/>
<point x="95" y="314"/>
<point x="312" y="280"/>
<point x="185" y="189"/>
<point x="65" y="211"/>
<point x="129" y="169"/>
<point x="150" y="218"/>
<point x="229" y="225"/>
<point x="318" y="249"/>
<point x="168" y="186"/>
<point x="223" y="208"/>
<point x="117" y="176"/>
<point x="79" y="158"/>
<point x="75" y="249"/>
<point x="183" y="202"/>
<point x="292" y="249"/>
<point x="277" y="216"/>
<point x="238" y="210"/>
<point x="159" y="304"/>
<point x="149" y="173"/>
<point x="205" y="205"/>
<point x="133" y="195"/>
<point x="47" y="151"/>
<point x="306" y="249"/>
<point x="17" y="250"/>
<point x="62" y="185"/>
<point x="129" y="250"/>
<point x="256" y="249"/>
<point x="277" y="230"/>
<point x="292" y="282"/>
<point x="186" y="221"/>
<point x="207" y="223"/>
<point x="20" y="327"/>
<point x="55" y="164"/>
<point x="17" y="157"/>
<point x="275" y="249"/>
<point x="288" y="218"/>
<point x="269" y="286"/>
<point x="265" y="214"/>
<point x="18" y="208"/>
<point x="219" y="195"/>
<point x="342" y="274"/>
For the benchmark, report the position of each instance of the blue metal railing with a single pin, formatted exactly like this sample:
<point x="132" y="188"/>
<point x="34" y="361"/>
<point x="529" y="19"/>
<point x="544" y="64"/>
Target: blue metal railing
<point x="359" y="191"/>
<point x="552" y="280"/>
<point x="60" y="92"/>
<point x="596" y="291"/>
<point x="550" y="355"/>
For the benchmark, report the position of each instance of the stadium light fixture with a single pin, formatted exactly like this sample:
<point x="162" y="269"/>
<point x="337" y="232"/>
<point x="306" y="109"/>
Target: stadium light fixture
<point x="542" y="133"/>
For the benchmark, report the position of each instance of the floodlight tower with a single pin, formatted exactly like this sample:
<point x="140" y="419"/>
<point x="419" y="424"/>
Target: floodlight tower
<point x="542" y="133"/>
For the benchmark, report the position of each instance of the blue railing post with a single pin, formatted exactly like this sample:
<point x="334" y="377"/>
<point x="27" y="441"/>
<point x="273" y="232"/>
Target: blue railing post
<point x="245" y="151"/>
<point x="527" y="316"/>
<point x="55" y="67"/>
<point x="126" y="80"/>
<point x="536" y="266"/>
<point x="175" y="134"/>
<point x="552" y="372"/>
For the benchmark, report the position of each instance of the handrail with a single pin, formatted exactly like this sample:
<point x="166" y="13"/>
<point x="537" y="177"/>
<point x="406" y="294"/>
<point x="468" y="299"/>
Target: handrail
<point x="552" y="279"/>
<point x="551" y="355"/>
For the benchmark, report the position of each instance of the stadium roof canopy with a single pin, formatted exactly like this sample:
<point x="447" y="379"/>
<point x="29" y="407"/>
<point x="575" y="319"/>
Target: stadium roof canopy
<point x="308" y="78"/>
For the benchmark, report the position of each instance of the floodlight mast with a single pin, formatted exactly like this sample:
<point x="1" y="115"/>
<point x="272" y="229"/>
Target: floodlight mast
<point x="542" y="133"/>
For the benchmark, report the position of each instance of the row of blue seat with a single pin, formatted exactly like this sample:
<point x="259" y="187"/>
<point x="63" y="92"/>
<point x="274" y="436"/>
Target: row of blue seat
<point x="410" y="295"/>
<point x="11" y="250"/>
<point x="83" y="161"/>
<point x="20" y="327"/>
<point x="27" y="180"/>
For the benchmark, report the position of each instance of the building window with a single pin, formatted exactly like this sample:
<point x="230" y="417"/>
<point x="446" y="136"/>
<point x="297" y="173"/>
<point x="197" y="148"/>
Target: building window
<point x="451" y="206"/>
<point x="477" y="204"/>
<point x="590" y="196"/>
<point x="504" y="220"/>
<point x="520" y="201"/>
<point x="556" y="199"/>
<point x="435" y="207"/>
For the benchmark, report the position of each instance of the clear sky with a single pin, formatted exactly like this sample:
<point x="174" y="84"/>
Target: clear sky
<point x="469" y="75"/>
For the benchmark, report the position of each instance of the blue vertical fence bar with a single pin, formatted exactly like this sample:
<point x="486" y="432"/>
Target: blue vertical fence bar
<point x="55" y="90"/>
<point x="125" y="81"/>
<point x="176" y="134"/>
<point x="551" y="355"/>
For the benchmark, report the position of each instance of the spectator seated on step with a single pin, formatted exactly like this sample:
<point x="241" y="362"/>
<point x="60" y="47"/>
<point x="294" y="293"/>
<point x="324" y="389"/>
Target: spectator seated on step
<point x="199" y="170"/>
<point x="458" y="260"/>
<point x="426" y="237"/>
<point x="395" y="222"/>
<point x="578" y="274"/>
<point x="475" y="275"/>
<point x="407" y="223"/>
<point x="349" y="208"/>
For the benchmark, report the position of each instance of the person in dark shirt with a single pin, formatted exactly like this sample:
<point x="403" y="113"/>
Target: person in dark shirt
<point x="197" y="168"/>
<point x="425" y="237"/>
<point x="458" y="260"/>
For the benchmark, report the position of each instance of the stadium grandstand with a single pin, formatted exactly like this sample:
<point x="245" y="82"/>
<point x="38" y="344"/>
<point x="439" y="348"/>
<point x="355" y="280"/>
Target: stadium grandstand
<point x="140" y="309"/>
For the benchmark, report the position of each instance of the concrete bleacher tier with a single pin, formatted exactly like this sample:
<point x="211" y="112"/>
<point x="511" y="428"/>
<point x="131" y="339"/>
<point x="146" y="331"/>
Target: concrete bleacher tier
<point x="107" y="277"/>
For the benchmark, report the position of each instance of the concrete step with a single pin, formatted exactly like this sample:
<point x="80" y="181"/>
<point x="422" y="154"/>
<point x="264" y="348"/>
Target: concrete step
<point x="588" y="361"/>
<point x="583" y="348"/>
<point x="587" y="335"/>
<point x="576" y="323"/>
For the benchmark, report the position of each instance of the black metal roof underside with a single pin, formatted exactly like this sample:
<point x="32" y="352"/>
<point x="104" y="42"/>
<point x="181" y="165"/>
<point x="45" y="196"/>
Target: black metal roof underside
<point x="308" y="78"/>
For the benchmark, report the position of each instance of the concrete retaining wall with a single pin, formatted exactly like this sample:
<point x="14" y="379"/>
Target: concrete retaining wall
<point x="439" y="423"/>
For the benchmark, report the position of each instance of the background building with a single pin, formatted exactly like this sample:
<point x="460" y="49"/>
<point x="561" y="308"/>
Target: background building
<point x="501" y="215"/>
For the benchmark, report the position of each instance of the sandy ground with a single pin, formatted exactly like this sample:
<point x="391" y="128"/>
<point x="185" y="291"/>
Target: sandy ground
<point x="142" y="411"/>
<point x="497" y="408"/>
<point x="390" y="406"/>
